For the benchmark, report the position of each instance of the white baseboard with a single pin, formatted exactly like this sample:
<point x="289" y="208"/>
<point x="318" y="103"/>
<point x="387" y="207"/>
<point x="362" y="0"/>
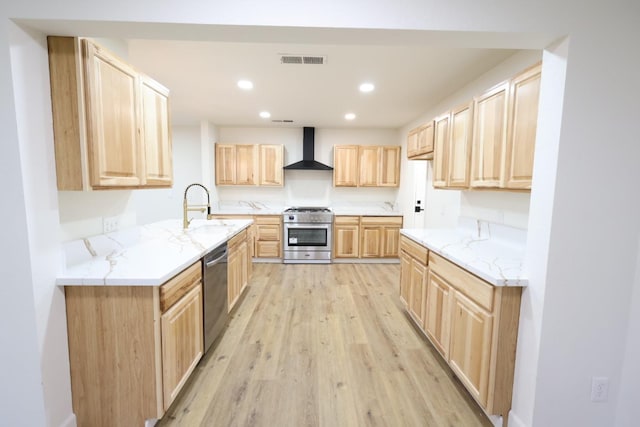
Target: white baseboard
<point x="515" y="421"/>
<point x="70" y="421"/>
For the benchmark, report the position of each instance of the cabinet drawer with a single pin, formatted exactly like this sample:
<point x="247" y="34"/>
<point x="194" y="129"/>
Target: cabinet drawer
<point x="179" y="286"/>
<point x="478" y="290"/>
<point x="347" y="220"/>
<point x="414" y="249"/>
<point x="237" y="239"/>
<point x="268" y="219"/>
<point x="381" y="220"/>
<point x="268" y="249"/>
<point x="268" y="233"/>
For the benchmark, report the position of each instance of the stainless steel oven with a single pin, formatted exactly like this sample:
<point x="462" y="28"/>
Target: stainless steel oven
<point x="307" y="235"/>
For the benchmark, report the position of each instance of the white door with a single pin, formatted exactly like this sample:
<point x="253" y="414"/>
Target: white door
<point x="419" y="191"/>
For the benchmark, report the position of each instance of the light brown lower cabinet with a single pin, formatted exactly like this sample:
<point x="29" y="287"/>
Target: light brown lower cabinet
<point x="132" y="348"/>
<point x="264" y="236"/>
<point x="473" y="324"/>
<point x="346" y="236"/>
<point x="366" y="236"/>
<point x="238" y="267"/>
<point x="268" y="236"/>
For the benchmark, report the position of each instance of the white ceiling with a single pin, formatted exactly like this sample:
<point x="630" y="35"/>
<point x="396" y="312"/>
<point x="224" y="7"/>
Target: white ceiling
<point x="202" y="77"/>
<point x="412" y="69"/>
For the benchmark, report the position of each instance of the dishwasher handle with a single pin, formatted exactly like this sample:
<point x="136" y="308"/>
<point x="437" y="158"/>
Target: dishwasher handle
<point x="218" y="260"/>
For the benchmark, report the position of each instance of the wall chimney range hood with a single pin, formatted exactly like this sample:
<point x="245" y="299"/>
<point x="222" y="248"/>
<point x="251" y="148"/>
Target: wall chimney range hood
<point x="308" y="162"/>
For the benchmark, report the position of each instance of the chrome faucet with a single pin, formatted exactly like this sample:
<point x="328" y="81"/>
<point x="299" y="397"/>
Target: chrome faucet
<point x="196" y="208"/>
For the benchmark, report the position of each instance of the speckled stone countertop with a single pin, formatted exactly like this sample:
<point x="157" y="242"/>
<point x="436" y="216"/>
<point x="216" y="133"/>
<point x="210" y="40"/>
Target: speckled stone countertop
<point x="493" y="252"/>
<point x="146" y="255"/>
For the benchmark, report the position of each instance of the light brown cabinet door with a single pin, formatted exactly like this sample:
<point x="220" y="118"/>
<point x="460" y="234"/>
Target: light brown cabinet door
<point x="412" y="143"/>
<point x="441" y="150"/>
<point x="460" y="146"/>
<point x="370" y="162"/>
<point x="271" y="163"/>
<point x="405" y="278"/>
<point x="389" y="166"/>
<point x="246" y="164"/>
<point x="225" y="164"/>
<point x="426" y="139"/>
<point x="113" y="119"/>
<point x="156" y="134"/>
<point x="489" y="137"/>
<point x="182" y="342"/>
<point x="345" y="166"/>
<point x="438" y="312"/>
<point x="523" y="120"/>
<point x="391" y="242"/>
<point x="234" y="276"/>
<point x="371" y="241"/>
<point x="470" y="348"/>
<point x="418" y="291"/>
<point x="346" y="241"/>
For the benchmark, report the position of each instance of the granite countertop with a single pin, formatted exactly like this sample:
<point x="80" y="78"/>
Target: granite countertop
<point x="146" y="255"/>
<point x="492" y="252"/>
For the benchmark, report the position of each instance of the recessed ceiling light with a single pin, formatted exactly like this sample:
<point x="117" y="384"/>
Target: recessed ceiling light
<point x="367" y="87"/>
<point x="265" y="114"/>
<point x="245" y="84"/>
<point x="349" y="116"/>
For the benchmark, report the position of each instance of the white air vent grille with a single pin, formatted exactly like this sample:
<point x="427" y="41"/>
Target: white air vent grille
<point x="303" y="59"/>
<point x="282" y="121"/>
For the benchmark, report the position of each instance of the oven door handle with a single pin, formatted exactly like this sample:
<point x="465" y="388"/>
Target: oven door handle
<point x="307" y="225"/>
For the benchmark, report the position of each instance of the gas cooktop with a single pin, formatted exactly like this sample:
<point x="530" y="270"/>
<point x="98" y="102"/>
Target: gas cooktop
<point x="307" y="209"/>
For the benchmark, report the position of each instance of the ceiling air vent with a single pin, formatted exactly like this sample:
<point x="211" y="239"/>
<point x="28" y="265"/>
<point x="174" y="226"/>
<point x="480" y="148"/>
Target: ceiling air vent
<point x="303" y="59"/>
<point x="282" y="121"/>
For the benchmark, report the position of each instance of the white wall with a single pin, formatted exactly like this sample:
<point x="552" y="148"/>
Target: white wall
<point x="308" y="187"/>
<point x="40" y="210"/>
<point x="157" y="204"/>
<point x="443" y="207"/>
<point x="584" y="208"/>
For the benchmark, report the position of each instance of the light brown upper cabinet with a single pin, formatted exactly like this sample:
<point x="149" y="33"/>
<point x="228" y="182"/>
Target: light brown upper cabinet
<point x="345" y="165"/>
<point x="441" y="150"/>
<point x="521" y="134"/>
<point x="156" y="133"/>
<point x="249" y="164"/>
<point x="111" y="123"/>
<point x="460" y="146"/>
<point x="489" y="137"/>
<point x="453" y="133"/>
<point x="370" y="164"/>
<point x="271" y="164"/>
<point x="505" y="132"/>
<point x="366" y="166"/>
<point x="420" y="142"/>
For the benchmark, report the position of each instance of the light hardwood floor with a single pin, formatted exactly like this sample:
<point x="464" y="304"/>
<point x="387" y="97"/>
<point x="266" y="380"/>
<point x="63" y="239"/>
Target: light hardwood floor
<point x="323" y="345"/>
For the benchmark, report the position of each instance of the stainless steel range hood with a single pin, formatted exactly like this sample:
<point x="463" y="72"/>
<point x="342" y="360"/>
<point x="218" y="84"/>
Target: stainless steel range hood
<point x="308" y="162"/>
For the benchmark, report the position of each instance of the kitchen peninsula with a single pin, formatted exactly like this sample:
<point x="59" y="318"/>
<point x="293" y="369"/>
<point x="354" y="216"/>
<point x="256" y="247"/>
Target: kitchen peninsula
<point x="135" y="315"/>
<point x="462" y="288"/>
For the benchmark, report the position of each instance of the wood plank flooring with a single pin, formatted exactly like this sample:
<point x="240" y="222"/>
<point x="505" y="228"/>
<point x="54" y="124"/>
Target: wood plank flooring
<point x="323" y="345"/>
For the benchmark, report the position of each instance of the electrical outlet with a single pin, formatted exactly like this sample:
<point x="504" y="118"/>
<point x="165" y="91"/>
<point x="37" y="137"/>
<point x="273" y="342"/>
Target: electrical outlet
<point x="599" y="389"/>
<point x="110" y="224"/>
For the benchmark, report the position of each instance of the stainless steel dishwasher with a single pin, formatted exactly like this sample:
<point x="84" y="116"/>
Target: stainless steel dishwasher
<point x="215" y="294"/>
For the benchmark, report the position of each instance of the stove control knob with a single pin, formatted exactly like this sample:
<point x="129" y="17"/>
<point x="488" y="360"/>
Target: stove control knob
<point x="291" y="217"/>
